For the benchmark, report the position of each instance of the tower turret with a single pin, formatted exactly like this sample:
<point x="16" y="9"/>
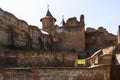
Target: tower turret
<point x="62" y="22"/>
<point x="48" y="22"/>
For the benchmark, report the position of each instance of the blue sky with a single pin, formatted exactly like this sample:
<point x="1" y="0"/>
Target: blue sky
<point x="97" y="13"/>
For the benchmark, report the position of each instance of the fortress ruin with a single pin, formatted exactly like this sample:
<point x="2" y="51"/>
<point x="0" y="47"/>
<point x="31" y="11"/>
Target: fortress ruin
<point x="71" y="36"/>
<point x="57" y="59"/>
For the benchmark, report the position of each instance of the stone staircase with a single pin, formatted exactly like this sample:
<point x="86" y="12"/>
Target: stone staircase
<point x="102" y="56"/>
<point x="108" y="50"/>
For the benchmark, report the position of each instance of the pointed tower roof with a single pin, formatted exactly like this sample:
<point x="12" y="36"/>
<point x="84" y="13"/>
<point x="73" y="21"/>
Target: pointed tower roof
<point x="62" y="22"/>
<point x="48" y="15"/>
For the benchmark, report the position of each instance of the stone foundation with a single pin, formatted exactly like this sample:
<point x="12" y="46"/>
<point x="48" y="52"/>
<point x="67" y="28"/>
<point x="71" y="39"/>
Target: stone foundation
<point x="68" y="73"/>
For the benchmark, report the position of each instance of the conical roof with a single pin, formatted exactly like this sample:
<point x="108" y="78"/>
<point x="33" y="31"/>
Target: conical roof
<point x="62" y="22"/>
<point x="48" y="15"/>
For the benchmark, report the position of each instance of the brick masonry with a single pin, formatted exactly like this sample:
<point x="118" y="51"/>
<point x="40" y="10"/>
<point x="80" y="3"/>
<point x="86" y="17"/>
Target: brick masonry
<point x="37" y="59"/>
<point x="65" y="73"/>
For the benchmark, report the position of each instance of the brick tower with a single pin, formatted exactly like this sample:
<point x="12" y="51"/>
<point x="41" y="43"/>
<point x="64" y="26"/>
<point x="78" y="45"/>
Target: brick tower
<point x="48" y="22"/>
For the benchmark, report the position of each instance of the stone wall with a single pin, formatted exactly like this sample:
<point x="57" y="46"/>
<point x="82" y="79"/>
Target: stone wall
<point x="37" y="59"/>
<point x="116" y="54"/>
<point x="72" y="35"/>
<point x="72" y="22"/>
<point x="94" y="40"/>
<point x="67" y="73"/>
<point x="103" y="56"/>
<point x="115" y="71"/>
<point x="72" y="39"/>
<point x="3" y="35"/>
<point x="16" y="32"/>
<point x="99" y="38"/>
<point x="35" y="37"/>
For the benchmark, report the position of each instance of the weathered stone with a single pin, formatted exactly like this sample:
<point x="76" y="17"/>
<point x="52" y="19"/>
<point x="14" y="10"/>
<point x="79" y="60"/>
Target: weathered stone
<point x="17" y="32"/>
<point x="37" y="59"/>
<point x="99" y="38"/>
<point x="95" y="73"/>
<point x="70" y="37"/>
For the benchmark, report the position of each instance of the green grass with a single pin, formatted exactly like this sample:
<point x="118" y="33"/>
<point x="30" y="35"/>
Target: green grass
<point x="22" y="48"/>
<point x="81" y="61"/>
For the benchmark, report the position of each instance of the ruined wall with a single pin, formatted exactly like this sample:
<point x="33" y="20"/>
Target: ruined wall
<point x="72" y="22"/>
<point x="21" y="37"/>
<point x="72" y="39"/>
<point x="96" y="73"/>
<point x="17" y="32"/>
<point x="109" y="38"/>
<point x="3" y="34"/>
<point x="99" y="38"/>
<point x="4" y="20"/>
<point x="37" y="59"/>
<point x="94" y="40"/>
<point x="47" y="42"/>
<point x="72" y="35"/>
<point x="35" y="36"/>
<point x="15" y="29"/>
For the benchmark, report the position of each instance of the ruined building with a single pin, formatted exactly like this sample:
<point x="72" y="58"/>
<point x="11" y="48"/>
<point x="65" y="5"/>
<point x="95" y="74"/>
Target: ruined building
<point x="71" y="36"/>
